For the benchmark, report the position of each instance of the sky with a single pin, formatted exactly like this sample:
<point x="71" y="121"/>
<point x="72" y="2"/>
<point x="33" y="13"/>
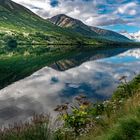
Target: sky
<point x="117" y="15"/>
<point x="97" y="79"/>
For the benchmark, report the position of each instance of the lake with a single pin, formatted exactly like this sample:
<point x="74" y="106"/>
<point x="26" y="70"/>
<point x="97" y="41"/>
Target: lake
<point x="95" y="74"/>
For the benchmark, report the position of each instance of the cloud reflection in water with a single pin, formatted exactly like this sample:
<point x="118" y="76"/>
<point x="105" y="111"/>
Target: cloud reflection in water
<point x="45" y="89"/>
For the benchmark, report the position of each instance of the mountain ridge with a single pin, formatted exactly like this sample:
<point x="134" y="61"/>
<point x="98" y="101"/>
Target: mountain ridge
<point x="18" y="20"/>
<point x="14" y="16"/>
<point x="13" y="6"/>
<point x="65" y="21"/>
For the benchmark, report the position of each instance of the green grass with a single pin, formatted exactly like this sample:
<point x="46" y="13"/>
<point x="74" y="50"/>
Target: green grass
<point x="115" y="119"/>
<point x="120" y="124"/>
<point x="126" y="128"/>
<point x="20" y="20"/>
<point x="123" y="123"/>
<point x="37" y="129"/>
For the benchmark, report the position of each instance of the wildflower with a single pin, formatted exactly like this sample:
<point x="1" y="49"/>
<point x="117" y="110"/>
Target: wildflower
<point x="98" y="117"/>
<point x="120" y="101"/>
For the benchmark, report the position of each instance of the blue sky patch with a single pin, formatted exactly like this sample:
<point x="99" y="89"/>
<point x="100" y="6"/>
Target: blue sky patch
<point x="54" y="3"/>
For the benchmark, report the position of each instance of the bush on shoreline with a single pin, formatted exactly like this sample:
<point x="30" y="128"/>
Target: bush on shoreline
<point x="114" y="119"/>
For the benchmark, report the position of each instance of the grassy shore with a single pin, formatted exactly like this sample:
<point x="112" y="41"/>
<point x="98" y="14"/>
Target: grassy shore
<point x="124" y="122"/>
<point x="114" y="119"/>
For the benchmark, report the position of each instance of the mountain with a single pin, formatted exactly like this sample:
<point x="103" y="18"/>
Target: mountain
<point x="133" y="36"/>
<point x="26" y="26"/>
<point x="10" y="6"/>
<point x="93" y="32"/>
<point x="24" y="39"/>
<point x="15" y="15"/>
<point x="68" y="22"/>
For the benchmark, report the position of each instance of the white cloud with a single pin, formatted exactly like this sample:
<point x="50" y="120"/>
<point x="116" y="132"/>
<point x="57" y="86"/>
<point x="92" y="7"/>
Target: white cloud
<point x="129" y="9"/>
<point x="92" y="12"/>
<point x="39" y="93"/>
<point x="134" y="36"/>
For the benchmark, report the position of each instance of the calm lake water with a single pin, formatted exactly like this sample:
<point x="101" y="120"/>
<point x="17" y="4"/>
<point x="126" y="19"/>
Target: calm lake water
<point x="94" y="74"/>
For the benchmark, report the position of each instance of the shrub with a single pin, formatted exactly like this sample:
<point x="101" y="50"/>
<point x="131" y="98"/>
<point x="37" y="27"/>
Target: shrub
<point x="78" y="118"/>
<point x="126" y="89"/>
<point x="42" y="36"/>
<point x="126" y="129"/>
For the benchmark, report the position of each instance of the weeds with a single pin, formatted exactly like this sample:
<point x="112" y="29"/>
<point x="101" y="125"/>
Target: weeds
<point x="114" y="119"/>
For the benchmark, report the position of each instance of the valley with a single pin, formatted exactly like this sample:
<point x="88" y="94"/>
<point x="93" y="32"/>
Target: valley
<point x="29" y="42"/>
<point x="60" y="70"/>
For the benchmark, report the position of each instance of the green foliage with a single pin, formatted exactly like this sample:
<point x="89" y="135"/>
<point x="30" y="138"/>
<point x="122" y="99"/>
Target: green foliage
<point x="78" y="119"/>
<point x="37" y="129"/>
<point x="85" y="119"/>
<point x="29" y="28"/>
<point x="126" y="89"/>
<point x="127" y="128"/>
<point x="41" y="35"/>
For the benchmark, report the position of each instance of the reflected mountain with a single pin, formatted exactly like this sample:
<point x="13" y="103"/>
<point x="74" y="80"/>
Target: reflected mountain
<point x="48" y="87"/>
<point x="82" y="57"/>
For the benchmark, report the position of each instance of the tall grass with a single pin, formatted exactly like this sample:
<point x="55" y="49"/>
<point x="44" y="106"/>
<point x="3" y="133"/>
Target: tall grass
<point x="115" y="119"/>
<point x="126" y="128"/>
<point x="37" y="129"/>
<point x="124" y="123"/>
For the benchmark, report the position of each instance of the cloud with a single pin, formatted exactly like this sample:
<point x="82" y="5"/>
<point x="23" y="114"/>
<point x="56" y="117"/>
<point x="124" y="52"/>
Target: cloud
<point x="47" y="88"/>
<point x="130" y="9"/>
<point x="105" y="20"/>
<point x="92" y="12"/>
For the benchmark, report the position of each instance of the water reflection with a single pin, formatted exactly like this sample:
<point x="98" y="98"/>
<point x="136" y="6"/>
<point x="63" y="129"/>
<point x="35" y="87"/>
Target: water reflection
<point x="45" y="89"/>
<point x="81" y="57"/>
